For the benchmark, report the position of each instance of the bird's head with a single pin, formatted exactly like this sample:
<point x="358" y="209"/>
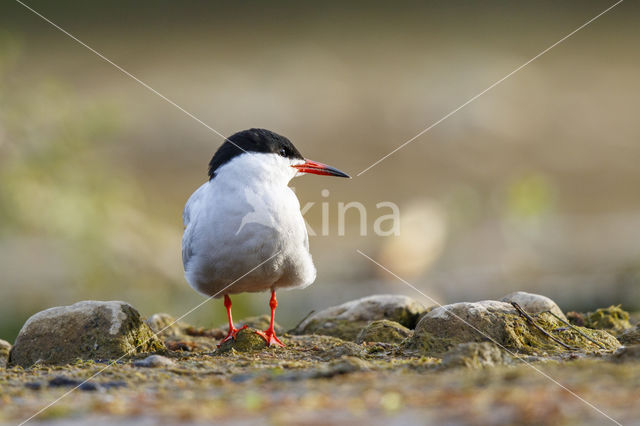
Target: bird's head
<point x="265" y="154"/>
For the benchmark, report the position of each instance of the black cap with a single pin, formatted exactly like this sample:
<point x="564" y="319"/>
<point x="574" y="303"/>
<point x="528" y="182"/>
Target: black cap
<point x="252" y="140"/>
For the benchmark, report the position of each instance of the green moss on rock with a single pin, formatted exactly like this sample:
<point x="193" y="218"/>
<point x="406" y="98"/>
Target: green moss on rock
<point x="447" y="326"/>
<point x="612" y="318"/>
<point x="5" y="348"/>
<point x="427" y="344"/>
<point x="342" y="329"/>
<point x="383" y="331"/>
<point x="475" y="355"/>
<point x="345" y="321"/>
<point x="246" y="341"/>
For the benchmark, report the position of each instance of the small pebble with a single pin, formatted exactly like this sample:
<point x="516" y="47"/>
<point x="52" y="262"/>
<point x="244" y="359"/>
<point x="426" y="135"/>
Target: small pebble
<point x="113" y="385"/>
<point x="88" y="387"/>
<point x="62" y="381"/>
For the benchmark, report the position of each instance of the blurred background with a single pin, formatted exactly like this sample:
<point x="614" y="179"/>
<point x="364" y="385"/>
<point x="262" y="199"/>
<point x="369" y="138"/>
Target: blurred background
<point x="534" y="186"/>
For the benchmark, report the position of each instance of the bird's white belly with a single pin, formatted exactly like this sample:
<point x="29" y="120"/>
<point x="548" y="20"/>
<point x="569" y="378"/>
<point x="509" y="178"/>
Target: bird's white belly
<point x="247" y="245"/>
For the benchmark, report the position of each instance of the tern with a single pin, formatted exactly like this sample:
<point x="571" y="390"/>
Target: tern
<point x="244" y="231"/>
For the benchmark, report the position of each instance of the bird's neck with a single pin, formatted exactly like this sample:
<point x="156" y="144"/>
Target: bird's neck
<point x="254" y="171"/>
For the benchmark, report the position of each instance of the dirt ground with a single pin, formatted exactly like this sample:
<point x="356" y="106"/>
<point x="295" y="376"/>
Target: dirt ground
<point x="323" y="380"/>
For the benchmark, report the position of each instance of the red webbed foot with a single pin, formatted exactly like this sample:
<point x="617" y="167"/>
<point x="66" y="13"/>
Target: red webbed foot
<point x="270" y="337"/>
<point x="231" y="335"/>
<point x="232" y="330"/>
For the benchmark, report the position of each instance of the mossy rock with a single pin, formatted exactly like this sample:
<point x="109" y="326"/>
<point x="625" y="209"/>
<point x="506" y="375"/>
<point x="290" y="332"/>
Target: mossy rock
<point x="383" y="331"/>
<point x="534" y="303"/>
<point x="247" y="340"/>
<point x="475" y="355"/>
<point x="342" y="329"/>
<point x="345" y="321"/>
<point x="5" y="348"/>
<point x="87" y="330"/>
<point x="447" y="326"/>
<point x="341" y="349"/>
<point x="612" y="318"/>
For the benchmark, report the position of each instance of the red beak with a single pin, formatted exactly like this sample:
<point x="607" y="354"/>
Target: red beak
<point x="319" y="169"/>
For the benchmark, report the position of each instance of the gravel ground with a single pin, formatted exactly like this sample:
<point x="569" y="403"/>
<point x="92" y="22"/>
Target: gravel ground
<point x="323" y="380"/>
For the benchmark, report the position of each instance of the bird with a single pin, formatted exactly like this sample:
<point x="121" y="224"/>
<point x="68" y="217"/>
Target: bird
<point x="243" y="228"/>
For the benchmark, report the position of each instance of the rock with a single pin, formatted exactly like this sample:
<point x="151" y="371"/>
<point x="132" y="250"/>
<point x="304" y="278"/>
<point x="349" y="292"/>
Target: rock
<point x="5" y="348"/>
<point x="534" y="303"/>
<point x="85" y="330"/>
<point x="630" y="337"/>
<point x="343" y="365"/>
<point x="383" y="331"/>
<point x="627" y="354"/>
<point x="343" y="349"/>
<point x="447" y="326"/>
<point x="475" y="355"/>
<point x="345" y="321"/>
<point x="246" y="341"/>
<point x="154" y="361"/>
<point x="164" y="325"/>
<point x="612" y="318"/>
<point x="65" y="382"/>
<point x="167" y="328"/>
<point x="33" y="385"/>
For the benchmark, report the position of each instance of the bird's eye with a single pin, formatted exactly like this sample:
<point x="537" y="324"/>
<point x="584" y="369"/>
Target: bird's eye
<point x="283" y="152"/>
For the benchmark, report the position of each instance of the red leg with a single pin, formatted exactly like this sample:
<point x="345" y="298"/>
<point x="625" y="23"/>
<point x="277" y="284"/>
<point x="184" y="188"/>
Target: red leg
<point x="232" y="330"/>
<point x="269" y="334"/>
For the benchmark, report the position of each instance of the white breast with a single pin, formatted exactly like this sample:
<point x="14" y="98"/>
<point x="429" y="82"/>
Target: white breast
<point x="246" y="216"/>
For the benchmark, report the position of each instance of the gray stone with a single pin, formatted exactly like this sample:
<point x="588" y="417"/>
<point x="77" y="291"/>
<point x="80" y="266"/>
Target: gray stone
<point x="5" y="348"/>
<point x="343" y="349"/>
<point x="447" y="326"/>
<point x="475" y="355"/>
<point x="383" y="331"/>
<point x="345" y="321"/>
<point x="164" y="325"/>
<point x="154" y="361"/>
<point x="534" y="303"/>
<point x="85" y="330"/>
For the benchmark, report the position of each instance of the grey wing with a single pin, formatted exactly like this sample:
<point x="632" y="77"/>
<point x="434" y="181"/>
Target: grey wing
<point x="192" y="204"/>
<point x="190" y="210"/>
